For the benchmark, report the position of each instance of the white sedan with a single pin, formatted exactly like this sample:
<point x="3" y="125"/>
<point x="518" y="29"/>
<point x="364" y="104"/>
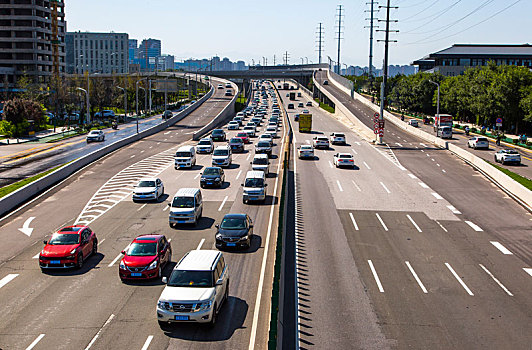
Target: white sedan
<point x="306" y="151"/>
<point x="344" y="159"/>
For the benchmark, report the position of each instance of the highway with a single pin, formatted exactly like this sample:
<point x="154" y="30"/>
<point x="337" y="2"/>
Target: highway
<point x="91" y="308"/>
<point x="412" y="249"/>
<point x="20" y="161"/>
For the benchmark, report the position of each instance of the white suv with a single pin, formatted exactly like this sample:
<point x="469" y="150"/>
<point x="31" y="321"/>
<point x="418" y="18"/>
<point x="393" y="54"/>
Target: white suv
<point x="478" y="142"/>
<point x="196" y="289"/>
<point x="221" y="156"/>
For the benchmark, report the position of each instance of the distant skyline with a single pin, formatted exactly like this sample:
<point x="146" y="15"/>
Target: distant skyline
<point x="246" y="30"/>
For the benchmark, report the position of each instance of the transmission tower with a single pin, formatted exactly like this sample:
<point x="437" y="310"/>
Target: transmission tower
<point x="319" y="41"/>
<point x="385" y="65"/>
<point x="339" y="33"/>
<point x="371" y="26"/>
<point x="286" y="58"/>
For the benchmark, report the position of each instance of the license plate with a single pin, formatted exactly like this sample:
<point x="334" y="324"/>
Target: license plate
<point x="209" y="183"/>
<point x="136" y="274"/>
<point x="181" y="221"/>
<point x="231" y="244"/>
<point x="181" y="318"/>
<point x="55" y="261"/>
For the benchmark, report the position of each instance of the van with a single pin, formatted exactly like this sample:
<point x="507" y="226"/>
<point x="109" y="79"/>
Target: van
<point x="196" y="289"/>
<point x="254" y="186"/>
<point x="222" y="156"/>
<point x="186" y="207"/>
<point x="185" y="157"/>
<point x="261" y="163"/>
<point x="445" y="132"/>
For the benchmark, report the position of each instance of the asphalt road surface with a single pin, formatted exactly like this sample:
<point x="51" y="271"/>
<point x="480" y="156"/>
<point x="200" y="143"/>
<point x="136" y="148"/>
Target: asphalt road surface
<point x="91" y="308"/>
<point x="411" y="249"/>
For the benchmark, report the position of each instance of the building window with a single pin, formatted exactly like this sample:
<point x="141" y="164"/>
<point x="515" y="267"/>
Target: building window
<point x="465" y="62"/>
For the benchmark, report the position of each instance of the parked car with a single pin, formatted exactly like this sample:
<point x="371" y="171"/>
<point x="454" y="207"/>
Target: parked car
<point x="212" y="176"/>
<point x="148" y="189"/>
<point x="145" y="258"/>
<point x="235" y="230"/>
<point x="300" y="105"/>
<point x="68" y="247"/>
<point x="505" y="156"/>
<point x="477" y="142"/>
<point x="95" y="135"/>
<point x="343" y="159"/>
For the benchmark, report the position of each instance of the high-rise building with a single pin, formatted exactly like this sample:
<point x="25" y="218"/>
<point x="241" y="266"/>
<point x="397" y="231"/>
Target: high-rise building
<point x="148" y="50"/>
<point x="26" y="40"/>
<point x="133" y="50"/>
<point x="97" y="52"/>
<point x="165" y="62"/>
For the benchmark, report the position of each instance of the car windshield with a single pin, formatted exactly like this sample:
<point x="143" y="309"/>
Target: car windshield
<point x="182" y="154"/>
<point x="142" y="249"/>
<point x="217" y="132"/>
<point x="183" y="202"/>
<point x="146" y="184"/>
<point x="263" y="144"/>
<point x="220" y="152"/>
<point x="235" y="141"/>
<point x="64" y="239"/>
<point x="345" y="156"/>
<point x="260" y="161"/>
<point x="242" y="134"/>
<point x="233" y="224"/>
<point x="306" y="148"/>
<point x="254" y="182"/>
<point x="204" y="142"/>
<point x="482" y="139"/>
<point x="510" y="151"/>
<point x="248" y="128"/>
<point x="94" y="132"/>
<point x="338" y="135"/>
<point x="211" y="171"/>
<point x="180" y="278"/>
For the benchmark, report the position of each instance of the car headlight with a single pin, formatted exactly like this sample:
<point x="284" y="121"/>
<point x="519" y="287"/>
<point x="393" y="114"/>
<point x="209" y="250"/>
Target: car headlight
<point x="217" y="179"/>
<point x="163" y="305"/>
<point x="206" y="305"/>
<point x="218" y="236"/>
<point x="73" y="251"/>
<point x="122" y="265"/>
<point x="244" y="238"/>
<point x="153" y="265"/>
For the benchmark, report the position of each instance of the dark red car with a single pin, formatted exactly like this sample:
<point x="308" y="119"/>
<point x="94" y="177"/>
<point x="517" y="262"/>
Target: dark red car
<point x="145" y="258"/>
<point x="244" y="136"/>
<point x="68" y="247"/>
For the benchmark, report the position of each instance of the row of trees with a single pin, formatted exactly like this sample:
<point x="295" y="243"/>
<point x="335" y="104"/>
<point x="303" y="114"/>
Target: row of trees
<point x="480" y="95"/>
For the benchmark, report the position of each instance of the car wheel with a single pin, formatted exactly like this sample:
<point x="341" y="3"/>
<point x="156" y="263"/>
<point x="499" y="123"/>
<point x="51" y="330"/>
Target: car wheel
<point x="80" y="261"/>
<point x="171" y="225"/>
<point x="159" y="272"/>
<point x="214" y="316"/>
<point x="502" y="161"/>
<point x="94" y="248"/>
<point x="226" y="294"/>
<point x="495" y="159"/>
<point x="163" y="325"/>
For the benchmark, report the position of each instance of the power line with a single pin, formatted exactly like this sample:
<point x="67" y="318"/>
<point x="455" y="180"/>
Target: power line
<point x="438" y="15"/>
<point x="425" y="9"/>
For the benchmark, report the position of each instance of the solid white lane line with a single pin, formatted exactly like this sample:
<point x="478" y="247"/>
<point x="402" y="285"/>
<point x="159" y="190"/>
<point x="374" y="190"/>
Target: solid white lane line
<point x="416" y="277"/>
<point x="422" y="144"/>
<point x="412" y="176"/>
<point x="459" y="279"/>
<point x="474" y="226"/>
<point x="367" y="166"/>
<point x="222" y="205"/>
<point x="354" y="221"/>
<point x="198" y="175"/>
<point x="339" y="186"/>
<point x="142" y="206"/>
<point x="354" y="152"/>
<point x="528" y="270"/>
<point x="382" y="222"/>
<point x="147" y="343"/>
<point x="115" y="260"/>
<point x="496" y="280"/>
<point x="330" y="164"/>
<point x="443" y="228"/>
<point x="375" y="276"/>
<point x="8" y="279"/>
<point x="422" y="184"/>
<point x="386" y="188"/>
<point x="354" y="183"/>
<point x="413" y="223"/>
<point x="200" y="244"/>
<point x="166" y="133"/>
<point x="238" y="175"/>
<point x="398" y="144"/>
<point x="249" y="155"/>
<point x="98" y="334"/>
<point x="133" y="156"/>
<point x="101" y="241"/>
<point x="454" y="210"/>
<point x="38" y="339"/>
<point x="502" y="248"/>
<point x="436" y="195"/>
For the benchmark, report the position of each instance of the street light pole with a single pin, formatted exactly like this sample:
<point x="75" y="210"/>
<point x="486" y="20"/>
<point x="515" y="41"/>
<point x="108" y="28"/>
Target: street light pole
<point x="87" y="98"/>
<point x="165" y="96"/>
<point x="125" y="100"/>
<point x="438" y="101"/>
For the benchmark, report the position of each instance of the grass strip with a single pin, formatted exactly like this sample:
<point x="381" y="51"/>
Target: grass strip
<point x="521" y="179"/>
<point x="4" y="191"/>
<point x="325" y="106"/>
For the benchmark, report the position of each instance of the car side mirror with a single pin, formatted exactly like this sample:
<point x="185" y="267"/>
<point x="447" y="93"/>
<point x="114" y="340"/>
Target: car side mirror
<point x="242" y="185"/>
<point x="265" y="185"/>
<point x="123" y="252"/>
<point x="45" y="242"/>
<point x="217" y="226"/>
<point x="250" y="162"/>
<point x="164" y="280"/>
<point x="219" y="282"/>
<point x="251" y="226"/>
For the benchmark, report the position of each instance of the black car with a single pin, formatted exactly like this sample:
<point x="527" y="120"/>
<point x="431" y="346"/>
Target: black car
<point x="236" y="230"/>
<point x="218" y="135"/>
<point x="237" y="145"/>
<point x="212" y="176"/>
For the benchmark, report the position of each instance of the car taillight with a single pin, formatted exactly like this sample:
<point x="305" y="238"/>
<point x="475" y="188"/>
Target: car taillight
<point x="351" y="160"/>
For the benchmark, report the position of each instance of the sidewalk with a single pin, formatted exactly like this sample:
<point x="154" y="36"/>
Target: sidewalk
<point x="36" y="137"/>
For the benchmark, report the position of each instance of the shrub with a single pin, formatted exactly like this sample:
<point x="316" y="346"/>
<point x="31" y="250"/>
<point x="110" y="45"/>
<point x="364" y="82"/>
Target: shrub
<point x="483" y="131"/>
<point x="473" y="129"/>
<point x="515" y="141"/>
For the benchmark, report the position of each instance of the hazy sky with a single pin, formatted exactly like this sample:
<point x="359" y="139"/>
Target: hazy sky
<point x="251" y="29"/>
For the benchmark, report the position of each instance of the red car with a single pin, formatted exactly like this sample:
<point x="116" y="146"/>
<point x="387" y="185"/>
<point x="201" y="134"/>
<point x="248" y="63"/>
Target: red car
<point x="145" y="258"/>
<point x="68" y="247"/>
<point x="244" y="136"/>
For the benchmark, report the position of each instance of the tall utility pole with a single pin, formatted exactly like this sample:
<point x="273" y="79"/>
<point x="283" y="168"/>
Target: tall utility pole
<point x="286" y="58"/>
<point x="371" y="26"/>
<point x="339" y="35"/>
<point x="320" y="41"/>
<point x="274" y="59"/>
<point x="385" y="65"/>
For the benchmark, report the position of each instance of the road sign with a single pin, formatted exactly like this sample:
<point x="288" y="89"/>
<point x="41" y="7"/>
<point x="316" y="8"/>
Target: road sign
<point x="381" y="124"/>
<point x="498" y="122"/>
<point x="376" y="115"/>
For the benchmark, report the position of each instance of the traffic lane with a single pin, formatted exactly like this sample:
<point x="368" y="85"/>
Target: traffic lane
<point x="63" y="203"/>
<point x="418" y="299"/>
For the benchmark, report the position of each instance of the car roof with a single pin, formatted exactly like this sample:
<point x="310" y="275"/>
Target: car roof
<point x="199" y="260"/>
<point x="255" y="174"/>
<point x="80" y="226"/>
<point x="185" y="148"/>
<point x="306" y="146"/>
<point x="221" y="147"/>
<point x="186" y="192"/>
<point x="148" y="179"/>
<point x="260" y="155"/>
<point x="148" y="238"/>
<point x="206" y="139"/>
<point x="345" y="154"/>
<point x="235" y="216"/>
